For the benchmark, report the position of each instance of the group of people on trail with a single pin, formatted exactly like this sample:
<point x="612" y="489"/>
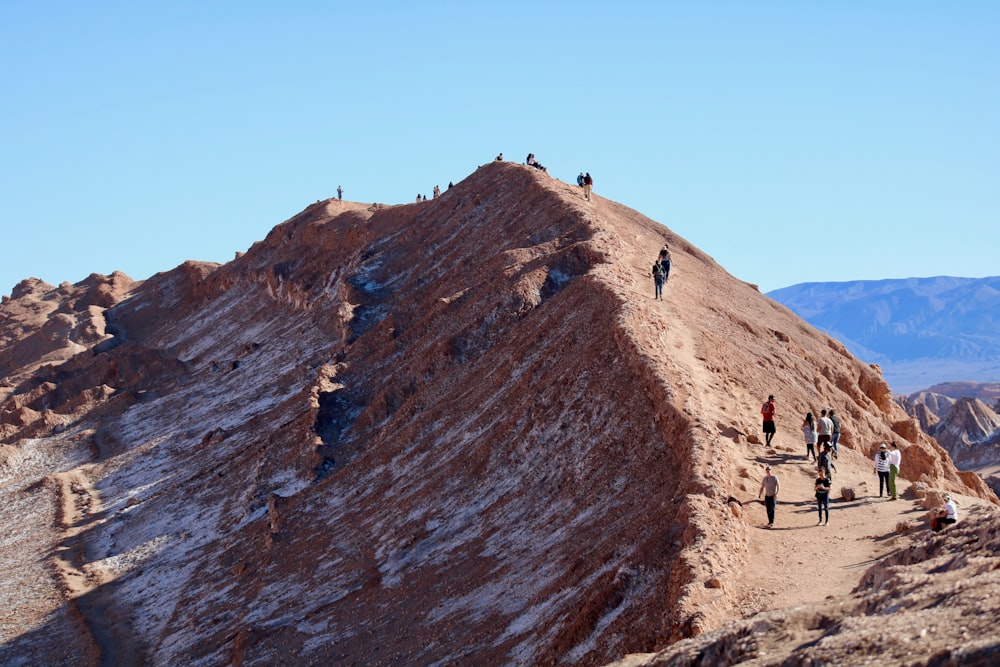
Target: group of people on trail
<point x="822" y="434"/>
<point x="585" y="181"/>
<point x="821" y="438"/>
<point x="661" y="271"/>
<point x="436" y="193"/>
<point x="887" y="461"/>
<point x="769" y="488"/>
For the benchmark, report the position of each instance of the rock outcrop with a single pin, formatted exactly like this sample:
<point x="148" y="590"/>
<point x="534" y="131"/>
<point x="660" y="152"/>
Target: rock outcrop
<point x="967" y="428"/>
<point x="455" y="431"/>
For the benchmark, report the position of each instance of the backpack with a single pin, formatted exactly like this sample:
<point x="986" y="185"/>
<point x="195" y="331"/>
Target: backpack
<point x="657" y="270"/>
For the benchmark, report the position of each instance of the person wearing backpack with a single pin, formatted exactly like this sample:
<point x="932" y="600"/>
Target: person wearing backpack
<point x="658" y="278"/>
<point x="823" y="496"/>
<point x="664" y="260"/>
<point x="824" y="462"/>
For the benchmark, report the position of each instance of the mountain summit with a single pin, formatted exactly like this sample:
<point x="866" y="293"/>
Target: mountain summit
<point x="459" y="431"/>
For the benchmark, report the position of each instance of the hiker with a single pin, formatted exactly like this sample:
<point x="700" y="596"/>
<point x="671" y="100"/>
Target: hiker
<point x="658" y="278"/>
<point x="824" y="429"/>
<point x="945" y="515"/>
<point x="767" y="411"/>
<point x="418" y="197"/>
<point x="895" y="458"/>
<point x="436" y="191"/>
<point x="769" y="487"/>
<point x="340" y="193"/>
<point x="664" y="260"/>
<point x="588" y="185"/>
<point x="824" y="462"/>
<point x="500" y="158"/>
<point x="823" y="497"/>
<point x="579" y="179"/>
<point x="882" y="468"/>
<point x="809" y="431"/>
<point x="835" y="420"/>
<point x="451" y="185"/>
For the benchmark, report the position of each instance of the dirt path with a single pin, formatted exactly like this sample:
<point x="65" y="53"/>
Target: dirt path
<point x="798" y="561"/>
<point x="85" y="585"/>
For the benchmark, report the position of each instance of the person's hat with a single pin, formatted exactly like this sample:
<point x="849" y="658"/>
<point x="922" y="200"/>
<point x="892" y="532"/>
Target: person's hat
<point x="947" y="497"/>
<point x="882" y="446"/>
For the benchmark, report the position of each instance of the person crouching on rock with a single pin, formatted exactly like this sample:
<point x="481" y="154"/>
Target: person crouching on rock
<point x="945" y="515"/>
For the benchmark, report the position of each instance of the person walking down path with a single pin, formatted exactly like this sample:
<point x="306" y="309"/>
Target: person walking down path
<point x="588" y="185"/>
<point x="809" y="432"/>
<point x="835" y="420"/>
<point x="769" y="487"/>
<point x="882" y="468"/>
<point x="946" y="515"/>
<point x="658" y="278"/>
<point x="767" y="412"/>
<point x="895" y="458"/>
<point x="823" y="497"/>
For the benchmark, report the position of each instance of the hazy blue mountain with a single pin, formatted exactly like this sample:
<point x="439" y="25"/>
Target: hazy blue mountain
<point x="920" y="330"/>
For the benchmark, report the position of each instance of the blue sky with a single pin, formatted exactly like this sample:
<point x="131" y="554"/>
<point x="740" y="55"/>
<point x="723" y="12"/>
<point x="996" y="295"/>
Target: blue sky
<point x="792" y="141"/>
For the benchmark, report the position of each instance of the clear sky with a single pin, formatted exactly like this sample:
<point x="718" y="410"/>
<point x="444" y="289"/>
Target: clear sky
<point x="792" y="141"/>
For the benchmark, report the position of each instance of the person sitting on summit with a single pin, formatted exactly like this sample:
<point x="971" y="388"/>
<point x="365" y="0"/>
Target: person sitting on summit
<point x="533" y="161"/>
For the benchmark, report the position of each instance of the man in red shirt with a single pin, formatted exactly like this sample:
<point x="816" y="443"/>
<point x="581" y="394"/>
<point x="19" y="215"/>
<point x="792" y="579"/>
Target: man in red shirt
<point x="768" y="413"/>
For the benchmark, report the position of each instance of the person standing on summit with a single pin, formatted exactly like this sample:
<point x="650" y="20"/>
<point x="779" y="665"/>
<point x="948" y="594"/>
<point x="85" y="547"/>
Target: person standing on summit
<point x="588" y="185"/>
<point x="767" y="412"/>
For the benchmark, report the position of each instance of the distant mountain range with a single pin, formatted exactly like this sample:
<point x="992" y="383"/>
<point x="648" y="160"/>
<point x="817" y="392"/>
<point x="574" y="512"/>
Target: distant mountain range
<point x="921" y="331"/>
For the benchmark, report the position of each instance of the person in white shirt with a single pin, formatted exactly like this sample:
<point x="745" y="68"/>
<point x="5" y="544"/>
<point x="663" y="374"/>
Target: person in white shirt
<point x="882" y="468"/>
<point x="895" y="457"/>
<point x="824" y="429"/>
<point x="947" y="514"/>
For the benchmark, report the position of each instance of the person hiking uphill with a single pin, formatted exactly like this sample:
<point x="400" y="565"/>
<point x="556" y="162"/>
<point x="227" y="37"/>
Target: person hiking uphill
<point x="658" y="277"/>
<point x="665" y="262"/>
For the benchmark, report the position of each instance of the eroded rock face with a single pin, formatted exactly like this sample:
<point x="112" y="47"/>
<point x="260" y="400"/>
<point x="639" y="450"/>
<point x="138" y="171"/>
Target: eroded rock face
<point x="933" y="602"/>
<point x="966" y="427"/>
<point x="452" y="431"/>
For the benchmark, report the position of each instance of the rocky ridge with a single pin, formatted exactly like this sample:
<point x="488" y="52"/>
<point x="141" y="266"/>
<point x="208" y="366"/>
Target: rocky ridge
<point x="451" y="431"/>
<point x="966" y="427"/>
